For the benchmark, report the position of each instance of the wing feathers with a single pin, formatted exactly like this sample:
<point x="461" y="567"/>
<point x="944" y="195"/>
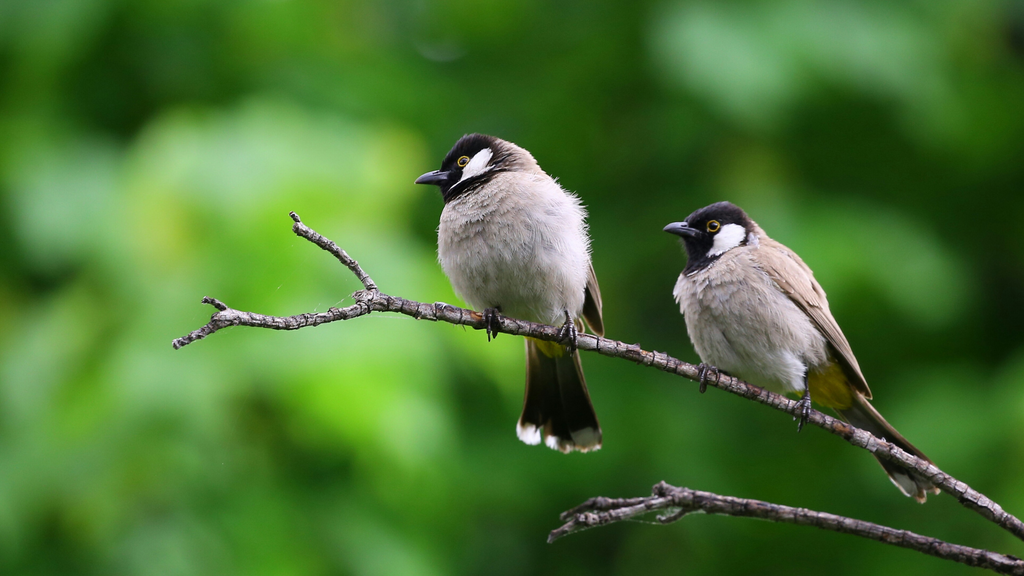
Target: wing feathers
<point x="797" y="281"/>
<point x="592" y="304"/>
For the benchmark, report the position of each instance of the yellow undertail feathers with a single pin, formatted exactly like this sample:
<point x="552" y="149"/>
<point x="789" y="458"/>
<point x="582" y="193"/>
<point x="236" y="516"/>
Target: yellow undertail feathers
<point x="829" y="387"/>
<point x="549" y="349"/>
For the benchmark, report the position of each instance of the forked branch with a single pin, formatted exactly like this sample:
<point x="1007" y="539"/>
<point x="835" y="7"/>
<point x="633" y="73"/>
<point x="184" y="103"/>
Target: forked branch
<point x="371" y="299"/>
<point x="679" y="502"/>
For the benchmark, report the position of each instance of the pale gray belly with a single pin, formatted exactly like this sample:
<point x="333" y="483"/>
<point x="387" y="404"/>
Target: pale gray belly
<point x="751" y="330"/>
<point x="512" y="266"/>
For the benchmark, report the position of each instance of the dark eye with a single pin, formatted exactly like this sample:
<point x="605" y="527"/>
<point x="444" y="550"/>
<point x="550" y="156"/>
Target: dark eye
<point x="463" y="161"/>
<point x="713" y="226"/>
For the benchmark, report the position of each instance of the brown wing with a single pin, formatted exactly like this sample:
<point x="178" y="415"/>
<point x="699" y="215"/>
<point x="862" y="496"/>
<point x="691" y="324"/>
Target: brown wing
<point x="797" y="281"/>
<point x="592" y="304"/>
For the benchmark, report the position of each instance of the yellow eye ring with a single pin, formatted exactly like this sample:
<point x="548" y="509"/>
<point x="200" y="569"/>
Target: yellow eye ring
<point x="463" y="161"/>
<point x="713" y="226"/>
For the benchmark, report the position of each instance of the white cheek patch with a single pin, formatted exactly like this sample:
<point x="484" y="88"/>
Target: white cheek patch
<point x="477" y="165"/>
<point x="729" y="237"/>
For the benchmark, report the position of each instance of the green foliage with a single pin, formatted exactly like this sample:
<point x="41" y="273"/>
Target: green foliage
<point x="153" y="150"/>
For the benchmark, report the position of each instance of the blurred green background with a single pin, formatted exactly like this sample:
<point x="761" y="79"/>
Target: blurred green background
<point x="151" y="151"/>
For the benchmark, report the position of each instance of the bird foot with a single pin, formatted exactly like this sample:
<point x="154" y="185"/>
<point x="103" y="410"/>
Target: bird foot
<point x="568" y="334"/>
<point x="492" y="319"/>
<point x="805" y="409"/>
<point x="703" y="372"/>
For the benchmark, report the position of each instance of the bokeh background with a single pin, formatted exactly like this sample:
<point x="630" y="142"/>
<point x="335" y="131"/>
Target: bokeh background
<point x="150" y="154"/>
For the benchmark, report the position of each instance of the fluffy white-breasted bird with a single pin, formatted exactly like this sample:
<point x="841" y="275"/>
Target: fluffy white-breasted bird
<point x="513" y="242"/>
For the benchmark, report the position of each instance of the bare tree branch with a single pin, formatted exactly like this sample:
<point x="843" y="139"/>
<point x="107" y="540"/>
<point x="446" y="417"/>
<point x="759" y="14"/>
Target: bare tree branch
<point x="309" y="234"/>
<point x="680" y="502"/>
<point x="372" y="300"/>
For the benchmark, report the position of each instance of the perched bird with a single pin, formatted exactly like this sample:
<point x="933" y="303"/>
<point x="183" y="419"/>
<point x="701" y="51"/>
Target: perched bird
<point x="513" y="242"/>
<point x="754" y="311"/>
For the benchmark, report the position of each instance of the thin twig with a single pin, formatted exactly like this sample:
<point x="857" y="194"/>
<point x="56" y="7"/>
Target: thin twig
<point x="309" y="234"/>
<point x="230" y="317"/>
<point x="372" y="300"/>
<point x="601" y="511"/>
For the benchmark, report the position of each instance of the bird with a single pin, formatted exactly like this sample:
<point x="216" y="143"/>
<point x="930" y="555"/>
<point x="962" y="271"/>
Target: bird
<point x="514" y="243"/>
<point x="754" y="310"/>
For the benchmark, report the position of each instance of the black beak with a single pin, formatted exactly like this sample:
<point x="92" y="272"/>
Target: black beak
<point x="681" y="229"/>
<point x="436" y="178"/>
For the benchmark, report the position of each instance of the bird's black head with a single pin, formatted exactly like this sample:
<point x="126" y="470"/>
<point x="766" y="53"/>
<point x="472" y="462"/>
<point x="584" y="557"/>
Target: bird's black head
<point x="712" y="231"/>
<point x="474" y="160"/>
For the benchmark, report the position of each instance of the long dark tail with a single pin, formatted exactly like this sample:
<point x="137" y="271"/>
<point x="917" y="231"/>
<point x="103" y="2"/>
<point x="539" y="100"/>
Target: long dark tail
<point x="863" y="415"/>
<point x="557" y="405"/>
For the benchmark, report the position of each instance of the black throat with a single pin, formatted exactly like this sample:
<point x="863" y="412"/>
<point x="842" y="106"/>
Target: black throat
<point x="700" y="262"/>
<point x="469" y="185"/>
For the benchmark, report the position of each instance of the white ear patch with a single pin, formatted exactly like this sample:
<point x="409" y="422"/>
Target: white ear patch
<point x="477" y="165"/>
<point x="729" y="237"/>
